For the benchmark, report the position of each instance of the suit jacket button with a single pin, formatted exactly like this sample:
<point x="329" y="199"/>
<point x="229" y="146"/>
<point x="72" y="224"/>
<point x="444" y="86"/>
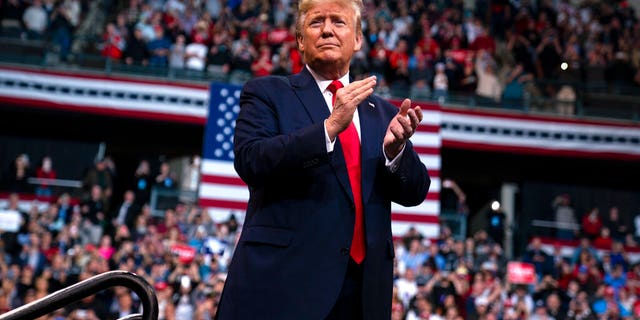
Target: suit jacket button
<point x="344" y="251"/>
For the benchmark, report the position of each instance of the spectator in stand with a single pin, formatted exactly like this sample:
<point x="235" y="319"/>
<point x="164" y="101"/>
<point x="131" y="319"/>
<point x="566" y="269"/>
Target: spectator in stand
<point x="421" y="308"/>
<point x="565" y="100"/>
<point x="219" y="56"/>
<point x="177" y="53"/>
<point x="489" y="88"/>
<point x="379" y="61"/>
<point x="242" y="56"/>
<point x="142" y="183"/>
<point x="556" y="306"/>
<point x="135" y="51"/>
<point x="564" y="216"/>
<point x="420" y="72"/>
<point x="35" y="20"/>
<point x="585" y="247"/>
<point x="636" y="228"/>
<point x="468" y="81"/>
<point x="159" y="48"/>
<point x="514" y="91"/>
<point x="591" y="223"/>
<point x="166" y="178"/>
<point x="549" y="54"/>
<point x="483" y="41"/>
<point x="64" y="19"/>
<point x="619" y="73"/>
<point x="406" y="286"/>
<point x="616" y="225"/>
<point x="415" y="256"/>
<point x="603" y="240"/>
<point x="521" y="295"/>
<point x="165" y="302"/>
<point x="282" y="65"/>
<point x="401" y="83"/>
<point x="16" y="176"/>
<point x="101" y="176"/>
<point x="616" y="278"/>
<point x="520" y="48"/>
<point x="619" y="255"/>
<point x="93" y="307"/>
<point x="541" y="260"/>
<point x="45" y="171"/>
<point x="440" y="83"/>
<point x="195" y="55"/>
<point x="127" y="213"/>
<point x="113" y="43"/>
<point x="31" y="256"/>
<point x="93" y="216"/>
<point x="125" y="305"/>
<point x="263" y="65"/>
<point x="606" y="306"/>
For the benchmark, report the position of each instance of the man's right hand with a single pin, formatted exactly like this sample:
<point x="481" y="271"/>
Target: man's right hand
<point x="346" y="102"/>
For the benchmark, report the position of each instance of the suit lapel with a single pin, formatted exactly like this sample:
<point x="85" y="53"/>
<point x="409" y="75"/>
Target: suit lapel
<point x="313" y="101"/>
<point x="370" y="144"/>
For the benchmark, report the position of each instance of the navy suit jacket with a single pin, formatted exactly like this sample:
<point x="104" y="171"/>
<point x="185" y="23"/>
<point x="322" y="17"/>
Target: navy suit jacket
<point x="292" y="255"/>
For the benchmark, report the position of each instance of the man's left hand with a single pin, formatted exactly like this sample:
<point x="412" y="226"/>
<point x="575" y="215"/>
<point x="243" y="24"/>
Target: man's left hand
<point x="401" y="128"/>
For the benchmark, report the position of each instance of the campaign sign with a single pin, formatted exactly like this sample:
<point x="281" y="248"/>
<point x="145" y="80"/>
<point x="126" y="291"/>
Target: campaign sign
<point x="185" y="253"/>
<point x="521" y="273"/>
<point x="10" y="220"/>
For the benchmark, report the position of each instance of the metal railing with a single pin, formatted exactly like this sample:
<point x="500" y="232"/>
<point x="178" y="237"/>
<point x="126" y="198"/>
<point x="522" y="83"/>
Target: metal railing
<point x="89" y="287"/>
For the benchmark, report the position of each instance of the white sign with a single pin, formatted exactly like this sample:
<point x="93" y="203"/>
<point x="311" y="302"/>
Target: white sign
<point x="10" y="220"/>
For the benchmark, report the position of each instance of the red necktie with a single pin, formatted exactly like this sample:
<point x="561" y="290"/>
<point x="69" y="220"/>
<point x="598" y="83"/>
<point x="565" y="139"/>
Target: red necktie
<point x="351" y="149"/>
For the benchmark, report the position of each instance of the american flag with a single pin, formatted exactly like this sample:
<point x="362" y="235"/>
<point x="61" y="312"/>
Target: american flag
<point x="223" y="193"/>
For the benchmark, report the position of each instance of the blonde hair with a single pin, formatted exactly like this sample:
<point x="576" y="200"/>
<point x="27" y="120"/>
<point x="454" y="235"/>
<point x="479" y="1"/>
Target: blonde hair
<point x="305" y="5"/>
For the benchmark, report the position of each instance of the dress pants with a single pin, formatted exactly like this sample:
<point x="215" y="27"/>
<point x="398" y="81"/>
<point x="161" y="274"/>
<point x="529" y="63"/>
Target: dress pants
<point x="349" y="303"/>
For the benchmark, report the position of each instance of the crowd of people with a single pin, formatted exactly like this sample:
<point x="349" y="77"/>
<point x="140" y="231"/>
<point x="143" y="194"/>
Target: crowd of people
<point x="184" y="255"/>
<point x="498" y="52"/>
<point x="493" y="53"/>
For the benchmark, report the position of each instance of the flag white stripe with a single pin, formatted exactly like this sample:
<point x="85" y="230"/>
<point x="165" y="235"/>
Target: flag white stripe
<point x="224" y="191"/>
<point x="424" y="139"/>
<point x="431" y="118"/>
<point x="426" y="208"/>
<point x="431" y="161"/>
<point x="218" y="168"/>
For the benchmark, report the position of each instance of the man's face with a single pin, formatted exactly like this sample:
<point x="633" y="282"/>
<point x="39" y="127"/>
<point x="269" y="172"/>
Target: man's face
<point x="329" y="35"/>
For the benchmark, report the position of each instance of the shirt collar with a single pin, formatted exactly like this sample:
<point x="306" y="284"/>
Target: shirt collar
<point x="324" y="83"/>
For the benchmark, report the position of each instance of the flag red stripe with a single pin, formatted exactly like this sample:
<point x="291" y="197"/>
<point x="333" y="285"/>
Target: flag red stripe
<point x="428" y="128"/>
<point x="222" y="204"/>
<point x="221" y="180"/>
<point x="435" y="196"/>
<point x="406" y="217"/>
<point x="427" y="150"/>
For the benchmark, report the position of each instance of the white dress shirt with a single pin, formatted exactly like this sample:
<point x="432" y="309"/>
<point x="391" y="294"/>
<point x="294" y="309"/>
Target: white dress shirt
<point x="323" y="84"/>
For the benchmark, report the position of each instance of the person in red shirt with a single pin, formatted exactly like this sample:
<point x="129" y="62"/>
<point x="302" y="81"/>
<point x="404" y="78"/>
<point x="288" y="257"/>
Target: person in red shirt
<point x="604" y="240"/>
<point x="45" y="172"/>
<point x="591" y="224"/>
<point x="400" y="53"/>
<point x="429" y="46"/>
<point x="484" y="41"/>
<point x="263" y="65"/>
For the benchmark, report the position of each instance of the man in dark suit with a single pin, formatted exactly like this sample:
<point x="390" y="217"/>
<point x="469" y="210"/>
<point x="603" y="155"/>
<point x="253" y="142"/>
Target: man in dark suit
<point x="127" y="212"/>
<point x="323" y="164"/>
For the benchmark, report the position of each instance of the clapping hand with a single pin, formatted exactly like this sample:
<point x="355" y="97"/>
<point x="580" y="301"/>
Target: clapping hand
<point x="401" y="128"/>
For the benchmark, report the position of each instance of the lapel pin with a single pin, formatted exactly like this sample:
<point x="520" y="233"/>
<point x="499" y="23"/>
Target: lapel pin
<point x="372" y="105"/>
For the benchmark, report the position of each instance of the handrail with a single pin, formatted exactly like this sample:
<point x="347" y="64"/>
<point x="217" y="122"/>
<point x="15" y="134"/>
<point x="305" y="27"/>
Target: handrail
<point x="55" y="182"/>
<point x="89" y="287"/>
